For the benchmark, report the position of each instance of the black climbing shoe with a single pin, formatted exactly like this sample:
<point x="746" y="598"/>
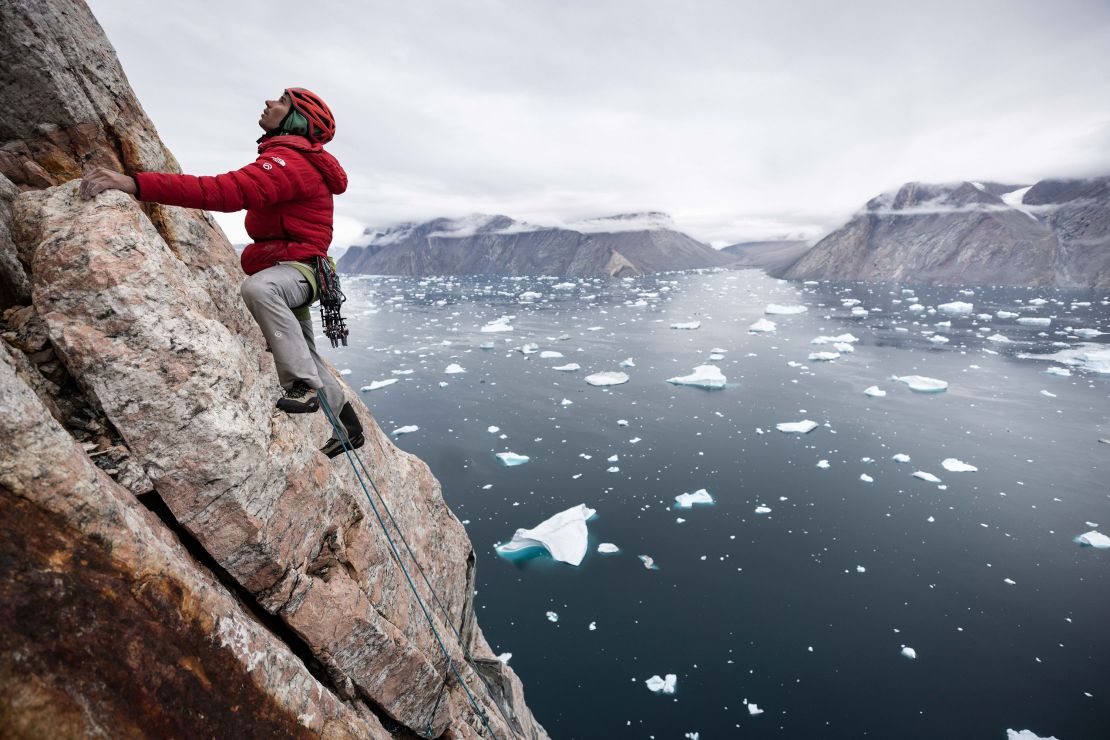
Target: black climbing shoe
<point x="300" y="399"/>
<point x="334" y="447"/>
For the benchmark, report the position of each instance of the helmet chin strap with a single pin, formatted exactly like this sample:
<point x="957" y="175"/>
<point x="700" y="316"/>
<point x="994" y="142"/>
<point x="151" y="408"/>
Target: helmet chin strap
<point x="294" y="124"/>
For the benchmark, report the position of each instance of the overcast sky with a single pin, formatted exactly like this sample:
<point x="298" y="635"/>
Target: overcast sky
<point x="743" y="120"/>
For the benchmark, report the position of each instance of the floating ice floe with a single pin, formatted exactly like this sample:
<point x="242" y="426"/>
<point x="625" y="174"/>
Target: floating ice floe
<point x="505" y="657"/>
<point x="563" y="536"/>
<point x="607" y="378"/>
<point x="956" y="308"/>
<point x="901" y="457"/>
<point x="1094" y="358"/>
<point x="405" y="430"/>
<point x="775" y="309"/>
<point x="953" y="465"/>
<point x="1095" y="539"/>
<point x="493" y="430"/>
<point x="563" y="286"/>
<point x="1034" y="321"/>
<point x="823" y="356"/>
<point x="608" y="548"/>
<point x="909" y="652"/>
<point x="626" y="363"/>
<point x="501" y="324"/>
<point x="550" y="355"/>
<point x="345" y="371"/>
<point x="797" y="427"/>
<point x="486" y="345"/>
<point x="1088" y="333"/>
<point x="866" y="478"/>
<point x="530" y="348"/>
<point x="823" y="464"/>
<point x="921" y="384"/>
<point x="842" y="339"/>
<point x="568" y="368"/>
<point x="704" y="376"/>
<point x="753" y="708"/>
<point x="926" y="476"/>
<point x="511" y="459"/>
<point x="916" y="308"/>
<point x="875" y="391"/>
<point x="662" y="685"/>
<point x="763" y="510"/>
<point x="999" y="339"/>
<point x="528" y="296"/>
<point x="454" y="368"/>
<point x="1026" y="735"/>
<point x="1005" y="314"/>
<point x="376" y="384"/>
<point x="687" y="325"/>
<point x="938" y="339"/>
<point x="1063" y="372"/>
<point x="648" y="562"/>
<point x="687" y="500"/>
<point x="552" y="617"/>
<point x="762" y="326"/>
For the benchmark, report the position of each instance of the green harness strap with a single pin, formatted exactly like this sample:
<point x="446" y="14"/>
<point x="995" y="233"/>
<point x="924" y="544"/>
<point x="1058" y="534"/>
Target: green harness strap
<point x="302" y="312"/>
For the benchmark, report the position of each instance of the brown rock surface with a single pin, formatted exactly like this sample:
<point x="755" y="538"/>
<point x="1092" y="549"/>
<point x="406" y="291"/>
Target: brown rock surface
<point x="303" y="622"/>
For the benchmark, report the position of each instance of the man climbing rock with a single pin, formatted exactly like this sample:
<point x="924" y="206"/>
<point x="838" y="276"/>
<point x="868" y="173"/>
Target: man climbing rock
<point x="287" y="193"/>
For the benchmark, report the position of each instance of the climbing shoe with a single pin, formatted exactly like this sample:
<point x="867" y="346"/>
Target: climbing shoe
<point x="300" y="399"/>
<point x="335" y="448"/>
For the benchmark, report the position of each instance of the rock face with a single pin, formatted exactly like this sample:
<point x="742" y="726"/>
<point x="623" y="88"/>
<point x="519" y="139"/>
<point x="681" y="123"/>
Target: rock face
<point x="177" y="557"/>
<point x="1055" y="233"/>
<point x="617" y="246"/>
<point x="773" y="256"/>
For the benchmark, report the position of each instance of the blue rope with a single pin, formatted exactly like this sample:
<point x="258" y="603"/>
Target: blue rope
<point x="341" y="435"/>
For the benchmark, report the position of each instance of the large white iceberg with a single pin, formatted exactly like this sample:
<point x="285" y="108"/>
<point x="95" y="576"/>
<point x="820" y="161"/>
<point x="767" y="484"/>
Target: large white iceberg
<point x="776" y="309"/>
<point x="687" y="500"/>
<point x="664" y="685"/>
<point x="607" y="378"/>
<point x="921" y="384"/>
<point x="454" y="368"/>
<point x="564" y="536"/>
<point x="762" y="326"/>
<point x="1095" y="539"/>
<point x="956" y="308"/>
<point x="953" y="465"/>
<point x="511" y="459"/>
<point x="797" y="427"/>
<point x="704" y="376"/>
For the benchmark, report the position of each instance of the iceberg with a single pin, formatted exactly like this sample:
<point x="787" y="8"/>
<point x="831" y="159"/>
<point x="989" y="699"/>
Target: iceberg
<point x="909" y="652"/>
<point x="552" y="617"/>
<point x="1088" y="333"/>
<point x="875" y="391"/>
<point x="568" y="368"/>
<point x="376" y="384"/>
<point x="529" y="348"/>
<point x="1026" y="735"/>
<point x="797" y="427"/>
<point x="548" y="354"/>
<point x="843" y="339"/>
<point x="626" y="363"/>
<point x="404" y="430"/>
<point x="704" y="376"/>
<point x="501" y="324"/>
<point x="956" y="308"/>
<point x="511" y="459"/>
<point x="607" y="378"/>
<point x="1063" y="372"/>
<point x="901" y="457"/>
<point x="687" y="325"/>
<point x="926" y="476"/>
<point x="664" y="685"/>
<point x="608" y="548"/>
<point x="763" y="510"/>
<point x="564" y="536"/>
<point x="953" y="465"/>
<point x="762" y="326"/>
<point x="1095" y="539"/>
<point x="921" y="384"/>
<point x="998" y="338"/>
<point x="453" y="368"/>
<point x="775" y="309"/>
<point x="1089" y="356"/>
<point x="823" y="356"/>
<point x="687" y="500"/>
<point x="1005" y="314"/>
<point x="753" y="709"/>
<point x="1034" y="321"/>
<point x="648" y="562"/>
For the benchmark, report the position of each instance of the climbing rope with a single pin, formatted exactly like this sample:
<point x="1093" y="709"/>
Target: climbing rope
<point x="341" y="435"/>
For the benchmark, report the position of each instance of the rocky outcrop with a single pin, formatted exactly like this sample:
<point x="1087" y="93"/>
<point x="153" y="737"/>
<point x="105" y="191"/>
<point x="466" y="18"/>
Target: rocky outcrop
<point x="619" y="246"/>
<point x="178" y="558"/>
<point x="1055" y="233"/>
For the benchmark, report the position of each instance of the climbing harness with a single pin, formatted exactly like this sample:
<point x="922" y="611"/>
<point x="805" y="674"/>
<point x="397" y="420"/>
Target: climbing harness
<point x="352" y="456"/>
<point x="331" y="298"/>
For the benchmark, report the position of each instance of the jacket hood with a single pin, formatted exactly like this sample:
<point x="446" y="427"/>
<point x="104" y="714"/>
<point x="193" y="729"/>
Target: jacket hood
<point x="334" y="175"/>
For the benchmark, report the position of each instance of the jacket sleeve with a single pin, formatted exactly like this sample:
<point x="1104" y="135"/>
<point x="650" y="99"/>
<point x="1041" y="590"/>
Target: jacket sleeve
<point x="261" y="183"/>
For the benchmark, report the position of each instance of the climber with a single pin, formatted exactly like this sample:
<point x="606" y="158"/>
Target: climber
<point x="287" y="193"/>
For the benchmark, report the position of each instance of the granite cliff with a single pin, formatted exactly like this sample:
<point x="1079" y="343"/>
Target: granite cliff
<point x="176" y="558"/>
<point x="625" y="245"/>
<point x="1053" y="233"/>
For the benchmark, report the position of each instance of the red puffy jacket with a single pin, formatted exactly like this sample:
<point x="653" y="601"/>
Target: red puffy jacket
<point x="287" y="192"/>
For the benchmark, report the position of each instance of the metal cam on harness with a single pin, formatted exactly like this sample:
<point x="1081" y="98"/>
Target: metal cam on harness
<point x="331" y="298"/>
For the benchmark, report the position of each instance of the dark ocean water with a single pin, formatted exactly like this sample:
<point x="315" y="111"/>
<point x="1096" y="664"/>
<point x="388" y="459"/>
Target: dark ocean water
<point x="980" y="575"/>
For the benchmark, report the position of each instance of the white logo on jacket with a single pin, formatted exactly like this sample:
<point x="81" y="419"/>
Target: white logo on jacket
<point x="267" y="166"/>
<point x="279" y="160"/>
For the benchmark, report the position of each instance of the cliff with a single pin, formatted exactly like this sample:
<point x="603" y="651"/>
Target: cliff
<point x="772" y="256"/>
<point x="1054" y="233"/>
<point x="618" y="246"/>
<point x="177" y="558"/>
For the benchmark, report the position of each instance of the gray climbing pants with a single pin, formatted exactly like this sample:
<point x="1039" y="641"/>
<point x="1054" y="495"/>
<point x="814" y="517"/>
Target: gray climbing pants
<point x="271" y="295"/>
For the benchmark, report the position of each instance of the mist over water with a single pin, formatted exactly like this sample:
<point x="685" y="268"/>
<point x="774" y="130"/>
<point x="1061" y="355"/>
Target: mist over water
<point x="803" y="610"/>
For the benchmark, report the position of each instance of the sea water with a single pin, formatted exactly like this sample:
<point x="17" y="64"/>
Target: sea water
<point x="828" y="591"/>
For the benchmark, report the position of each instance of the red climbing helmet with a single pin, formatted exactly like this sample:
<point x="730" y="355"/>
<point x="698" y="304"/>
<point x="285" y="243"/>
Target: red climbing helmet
<point x="321" y="123"/>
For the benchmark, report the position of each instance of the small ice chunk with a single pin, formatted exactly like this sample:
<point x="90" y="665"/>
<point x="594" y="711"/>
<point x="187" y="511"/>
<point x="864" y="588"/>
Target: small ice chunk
<point x="823" y="356"/>
<point x="505" y="657"/>
<point x="704" y="376"/>
<point x="345" y="371"/>
<point x="626" y="363"/>
<point x="566" y="402"/>
<point x="622" y="422"/>
<point x="776" y="309"/>
<point x="1005" y="314"/>
<point x="875" y="391"/>
<point x="607" y="378"/>
<point x="917" y="307"/>
<point x="753" y="709"/>
<point x="860" y="569"/>
<point x="608" y="548"/>
<point x="687" y="500"/>
<point x="564" y="536"/>
<point x="1034" y="321"/>
<point x="1026" y="735"/>
<point x="454" y="368"/>
<point x="909" y="652"/>
<point x="938" y="339"/>
<point x="866" y="478"/>
<point x="548" y="354"/>
<point x="953" y="465"/>
<point x="1062" y="372"/>
<point x="530" y="348"/>
<point x="664" y="685"/>
<point x="797" y="427"/>
<point x="1094" y="539"/>
<point x="921" y="384"/>
<point x="823" y="464"/>
<point x="1009" y="581"/>
<point x="493" y="430"/>
<point x="376" y="384"/>
<point x="901" y="457"/>
<point x="486" y="345"/>
<point x="998" y="338"/>
<point x="763" y="510"/>
<point x="563" y="286"/>
<point x="552" y="617"/>
<point x="956" y="308"/>
<point x="501" y="324"/>
<point x="404" y="430"/>
<point x="510" y="459"/>
<point x="926" y="476"/>
<point x="592" y="626"/>
<point x="687" y="325"/>
<point x="568" y="368"/>
<point x="648" y="562"/>
<point x="762" y="326"/>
